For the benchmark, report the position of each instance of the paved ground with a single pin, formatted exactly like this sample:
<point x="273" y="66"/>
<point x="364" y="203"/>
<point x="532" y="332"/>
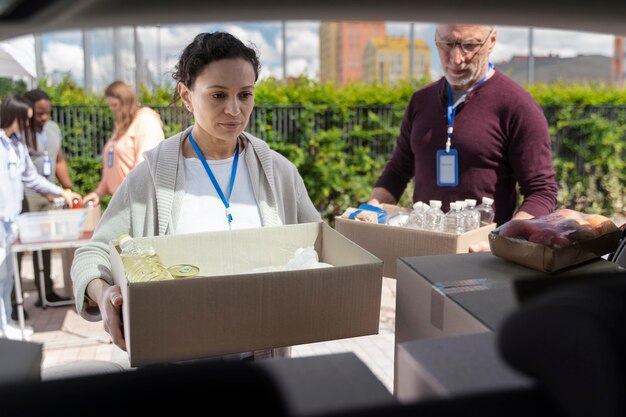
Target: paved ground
<point x="70" y="340"/>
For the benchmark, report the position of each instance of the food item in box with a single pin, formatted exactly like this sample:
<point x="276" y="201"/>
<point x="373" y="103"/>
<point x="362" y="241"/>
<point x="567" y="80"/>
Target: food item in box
<point x="141" y="264"/>
<point x="557" y="230"/>
<point x="366" y="213"/>
<point x="555" y="241"/>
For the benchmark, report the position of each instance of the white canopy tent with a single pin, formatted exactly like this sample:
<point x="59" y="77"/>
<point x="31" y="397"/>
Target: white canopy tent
<point x="17" y="57"/>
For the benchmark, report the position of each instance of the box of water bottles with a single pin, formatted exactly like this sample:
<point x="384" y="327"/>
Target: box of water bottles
<point x="421" y="230"/>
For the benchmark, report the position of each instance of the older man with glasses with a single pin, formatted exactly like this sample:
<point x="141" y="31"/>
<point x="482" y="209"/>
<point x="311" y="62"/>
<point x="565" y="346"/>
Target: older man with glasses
<point x="474" y="133"/>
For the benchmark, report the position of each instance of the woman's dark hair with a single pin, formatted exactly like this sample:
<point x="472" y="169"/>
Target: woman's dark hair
<point x="207" y="48"/>
<point x="16" y="107"/>
<point x="33" y="96"/>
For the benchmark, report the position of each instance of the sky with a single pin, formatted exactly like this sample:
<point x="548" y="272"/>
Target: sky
<point x="63" y="53"/>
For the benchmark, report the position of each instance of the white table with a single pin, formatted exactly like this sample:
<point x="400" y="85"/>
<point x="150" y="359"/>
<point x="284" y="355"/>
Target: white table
<point x="18" y="247"/>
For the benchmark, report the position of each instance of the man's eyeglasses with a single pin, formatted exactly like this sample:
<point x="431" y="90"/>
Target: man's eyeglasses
<point x="467" y="47"/>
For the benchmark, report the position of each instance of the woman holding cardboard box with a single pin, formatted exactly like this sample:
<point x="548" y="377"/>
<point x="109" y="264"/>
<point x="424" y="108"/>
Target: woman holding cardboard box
<point x="211" y="176"/>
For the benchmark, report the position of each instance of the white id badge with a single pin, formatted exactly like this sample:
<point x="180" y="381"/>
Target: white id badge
<point x="447" y="168"/>
<point x="110" y="158"/>
<point x="46" y="169"/>
<point x="12" y="167"/>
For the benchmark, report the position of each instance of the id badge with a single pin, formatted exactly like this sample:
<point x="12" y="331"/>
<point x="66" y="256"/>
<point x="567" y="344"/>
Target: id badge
<point x="110" y="158"/>
<point x="447" y="168"/>
<point x="46" y="169"/>
<point x="12" y="167"/>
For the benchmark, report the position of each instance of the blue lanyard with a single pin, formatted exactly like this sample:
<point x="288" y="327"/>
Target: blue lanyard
<point x="452" y="108"/>
<point x="233" y="174"/>
<point x="44" y="139"/>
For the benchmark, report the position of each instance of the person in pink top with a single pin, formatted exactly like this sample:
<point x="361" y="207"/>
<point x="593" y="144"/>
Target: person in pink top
<point x="137" y="129"/>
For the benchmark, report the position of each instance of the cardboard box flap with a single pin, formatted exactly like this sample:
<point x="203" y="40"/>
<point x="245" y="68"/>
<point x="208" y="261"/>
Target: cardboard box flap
<point x="338" y="250"/>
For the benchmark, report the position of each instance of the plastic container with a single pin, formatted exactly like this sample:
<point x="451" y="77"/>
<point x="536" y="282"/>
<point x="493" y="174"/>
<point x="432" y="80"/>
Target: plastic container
<point x="433" y="216"/>
<point x="472" y="216"/>
<point x="52" y="225"/>
<point x="486" y="210"/>
<point x="416" y="218"/>
<point x="454" y="220"/>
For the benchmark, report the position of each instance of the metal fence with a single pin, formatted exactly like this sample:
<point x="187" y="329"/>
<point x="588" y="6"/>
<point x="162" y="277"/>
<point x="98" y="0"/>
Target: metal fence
<point x="86" y="128"/>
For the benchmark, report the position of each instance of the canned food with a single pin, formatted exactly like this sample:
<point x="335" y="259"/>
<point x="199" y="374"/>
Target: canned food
<point x="183" y="270"/>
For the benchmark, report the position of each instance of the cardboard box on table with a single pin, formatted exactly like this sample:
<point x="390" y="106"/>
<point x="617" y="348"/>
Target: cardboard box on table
<point x="391" y="242"/>
<point x="227" y="310"/>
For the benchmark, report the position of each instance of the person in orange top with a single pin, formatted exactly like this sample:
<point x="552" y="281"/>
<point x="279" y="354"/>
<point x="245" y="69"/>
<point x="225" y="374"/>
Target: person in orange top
<point x="137" y="129"/>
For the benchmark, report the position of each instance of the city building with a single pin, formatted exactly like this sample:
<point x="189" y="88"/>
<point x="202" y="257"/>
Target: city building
<point x="342" y="46"/>
<point x="552" y="69"/>
<point x="387" y="59"/>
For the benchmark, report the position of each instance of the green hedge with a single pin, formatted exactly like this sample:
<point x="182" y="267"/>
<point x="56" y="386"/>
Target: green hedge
<point x="586" y="123"/>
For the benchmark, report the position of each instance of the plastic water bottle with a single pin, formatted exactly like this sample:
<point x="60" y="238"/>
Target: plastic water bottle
<point x="461" y="205"/>
<point x="454" y="221"/>
<point x="486" y="210"/>
<point x="433" y="216"/>
<point x="416" y="218"/>
<point x="141" y="263"/>
<point x="472" y="216"/>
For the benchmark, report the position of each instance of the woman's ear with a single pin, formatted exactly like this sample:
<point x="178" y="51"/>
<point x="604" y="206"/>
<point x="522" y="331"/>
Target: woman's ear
<point x="185" y="96"/>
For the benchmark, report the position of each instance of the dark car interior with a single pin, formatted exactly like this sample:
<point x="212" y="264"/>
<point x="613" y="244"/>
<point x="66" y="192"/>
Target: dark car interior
<point x="580" y="370"/>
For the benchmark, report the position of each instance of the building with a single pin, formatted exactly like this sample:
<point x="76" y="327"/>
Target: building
<point x="552" y="69"/>
<point x="387" y="59"/>
<point x="342" y="46"/>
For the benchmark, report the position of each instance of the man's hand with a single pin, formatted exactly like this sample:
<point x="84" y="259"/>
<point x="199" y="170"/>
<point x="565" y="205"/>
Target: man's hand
<point x="482" y="246"/>
<point x="381" y="196"/>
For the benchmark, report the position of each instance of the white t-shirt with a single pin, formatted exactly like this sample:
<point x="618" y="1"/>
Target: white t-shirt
<point x="203" y="210"/>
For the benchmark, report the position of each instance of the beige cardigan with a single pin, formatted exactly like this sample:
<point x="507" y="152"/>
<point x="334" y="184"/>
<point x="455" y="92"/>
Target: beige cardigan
<point x="149" y="200"/>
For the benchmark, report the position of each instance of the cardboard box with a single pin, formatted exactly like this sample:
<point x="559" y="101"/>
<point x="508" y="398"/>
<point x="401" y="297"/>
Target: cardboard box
<point x="547" y="259"/>
<point x="452" y="367"/>
<point x="227" y="310"/>
<point x="92" y="219"/>
<point x="391" y="242"/>
<point x="459" y="294"/>
<point x="20" y="362"/>
<point x="327" y="384"/>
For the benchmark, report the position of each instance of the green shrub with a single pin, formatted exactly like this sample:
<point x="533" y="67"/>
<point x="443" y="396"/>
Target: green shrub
<point x="587" y="125"/>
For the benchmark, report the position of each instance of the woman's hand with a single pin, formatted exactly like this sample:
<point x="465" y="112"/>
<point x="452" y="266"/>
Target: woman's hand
<point x="109" y="299"/>
<point x="70" y="196"/>
<point x="93" y="197"/>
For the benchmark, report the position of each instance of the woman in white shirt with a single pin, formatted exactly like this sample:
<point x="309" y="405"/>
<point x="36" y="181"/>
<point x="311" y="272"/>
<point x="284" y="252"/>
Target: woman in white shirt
<point x="211" y="176"/>
<point x="16" y="171"/>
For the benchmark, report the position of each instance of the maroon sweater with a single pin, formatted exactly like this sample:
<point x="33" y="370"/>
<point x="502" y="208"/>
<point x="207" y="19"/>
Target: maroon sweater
<point x="501" y="136"/>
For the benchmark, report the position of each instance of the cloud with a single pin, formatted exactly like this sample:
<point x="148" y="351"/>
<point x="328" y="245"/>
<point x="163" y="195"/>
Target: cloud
<point x="63" y="50"/>
<point x="514" y="41"/>
<point x="63" y="57"/>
